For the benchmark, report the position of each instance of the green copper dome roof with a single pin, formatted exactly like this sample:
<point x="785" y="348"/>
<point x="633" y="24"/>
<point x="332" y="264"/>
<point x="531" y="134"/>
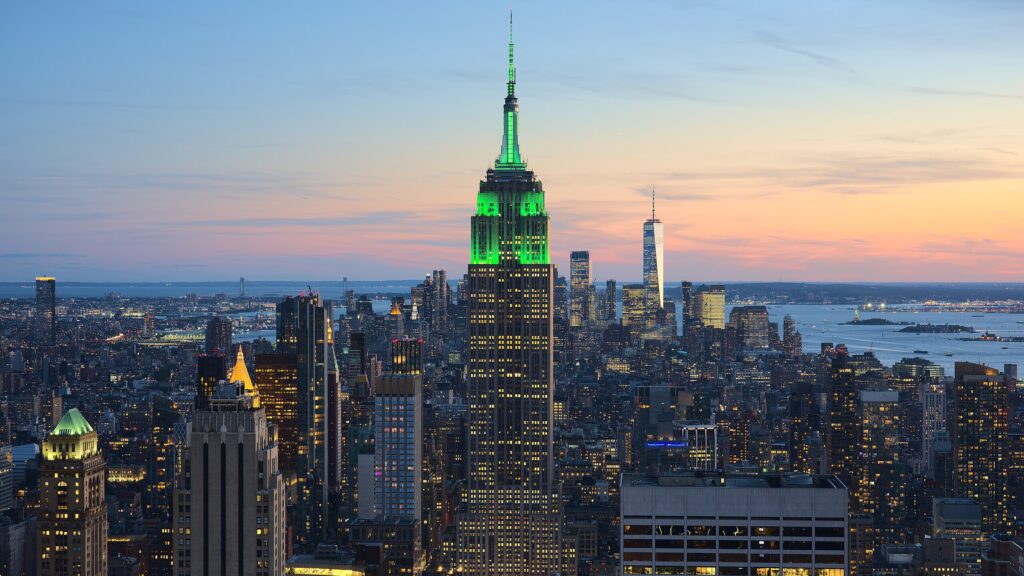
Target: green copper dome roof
<point x="72" y="424"/>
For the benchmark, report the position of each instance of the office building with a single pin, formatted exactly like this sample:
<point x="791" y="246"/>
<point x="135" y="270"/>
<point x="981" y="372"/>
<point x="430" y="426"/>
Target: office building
<point x="229" y="510"/>
<point x="277" y="379"/>
<point x="792" y="340"/>
<point x="1004" y="557"/>
<point x="982" y="440"/>
<point x="611" y="301"/>
<point x="46" y="311"/>
<point x="388" y="532"/>
<point x="709" y="523"/>
<point x="394" y="322"/>
<point x="511" y="522"/>
<point x="709" y="306"/>
<point x="844" y="434"/>
<point x="686" y="302"/>
<point x="701" y="442"/>
<point x="304" y="329"/>
<point x="581" y="309"/>
<point x="960" y="520"/>
<point x="804" y="421"/>
<point x="654" y="264"/>
<point x="633" y="311"/>
<point x="438" y="301"/>
<point x="398" y="435"/>
<point x="218" y="335"/>
<point x="751" y="328"/>
<point x="877" y="494"/>
<point x="72" y="521"/>
<point x="211" y="368"/>
<point x="933" y="421"/>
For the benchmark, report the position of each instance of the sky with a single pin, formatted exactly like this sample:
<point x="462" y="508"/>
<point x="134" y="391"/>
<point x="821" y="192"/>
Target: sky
<point x="841" y="140"/>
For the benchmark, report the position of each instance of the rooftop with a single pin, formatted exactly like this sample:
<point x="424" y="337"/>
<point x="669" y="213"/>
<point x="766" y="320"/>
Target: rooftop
<point x="710" y="479"/>
<point x="72" y="424"/>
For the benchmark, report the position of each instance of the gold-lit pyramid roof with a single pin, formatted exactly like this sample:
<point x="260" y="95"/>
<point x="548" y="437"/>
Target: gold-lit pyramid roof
<point x="240" y="373"/>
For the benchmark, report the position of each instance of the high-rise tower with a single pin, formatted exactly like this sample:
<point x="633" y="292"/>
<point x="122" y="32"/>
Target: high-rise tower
<point x="580" y="307"/>
<point x="72" y="522"/>
<point x="230" y="496"/>
<point x="46" y="310"/>
<point x="981" y="440"/>
<point x="844" y="435"/>
<point x="511" y="523"/>
<point x="654" y="265"/>
<point x="304" y="330"/>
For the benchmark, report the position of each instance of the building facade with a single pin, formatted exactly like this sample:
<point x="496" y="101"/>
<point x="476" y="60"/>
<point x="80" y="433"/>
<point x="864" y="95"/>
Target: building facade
<point x="229" y="503"/>
<point x="709" y="306"/>
<point x="982" y="440"/>
<point x="844" y="434"/>
<point x="581" y="309"/>
<point x="304" y="329"/>
<point x="72" y="521"/>
<point x="46" y="310"/>
<point x="511" y="522"/>
<point x="713" y="524"/>
<point x="654" y="264"/>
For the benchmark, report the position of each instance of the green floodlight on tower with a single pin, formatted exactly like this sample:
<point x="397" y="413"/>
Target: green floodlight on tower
<point x="510" y="224"/>
<point x="510" y="159"/>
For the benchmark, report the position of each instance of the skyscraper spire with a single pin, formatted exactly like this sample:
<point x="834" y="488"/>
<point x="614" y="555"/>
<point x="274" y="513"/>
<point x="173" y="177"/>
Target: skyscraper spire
<point x="510" y="159"/>
<point x="652" y="203"/>
<point x="511" y="60"/>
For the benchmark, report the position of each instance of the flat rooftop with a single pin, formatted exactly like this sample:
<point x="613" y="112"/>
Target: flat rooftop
<point x="707" y="479"/>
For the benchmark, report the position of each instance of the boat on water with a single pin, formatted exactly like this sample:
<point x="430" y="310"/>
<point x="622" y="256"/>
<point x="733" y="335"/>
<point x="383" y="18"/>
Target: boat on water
<point x="920" y="351"/>
<point x="948" y="354"/>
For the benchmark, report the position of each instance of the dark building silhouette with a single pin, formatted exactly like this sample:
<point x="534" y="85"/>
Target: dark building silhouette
<point x="218" y="335"/>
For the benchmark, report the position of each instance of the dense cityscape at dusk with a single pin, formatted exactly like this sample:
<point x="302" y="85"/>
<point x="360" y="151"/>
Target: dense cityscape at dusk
<point x="799" y="364"/>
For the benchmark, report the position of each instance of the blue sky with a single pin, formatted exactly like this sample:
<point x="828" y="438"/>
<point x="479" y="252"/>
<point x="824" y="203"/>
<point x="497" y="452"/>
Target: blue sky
<point x="840" y="140"/>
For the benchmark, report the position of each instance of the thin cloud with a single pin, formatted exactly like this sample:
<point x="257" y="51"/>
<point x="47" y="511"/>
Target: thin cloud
<point x="998" y="151"/>
<point x="32" y="255"/>
<point x="662" y="194"/>
<point x="770" y="39"/>
<point x="968" y="93"/>
<point x="856" y="175"/>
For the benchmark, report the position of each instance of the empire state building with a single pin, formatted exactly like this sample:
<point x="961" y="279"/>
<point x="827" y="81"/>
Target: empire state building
<point x="511" y="524"/>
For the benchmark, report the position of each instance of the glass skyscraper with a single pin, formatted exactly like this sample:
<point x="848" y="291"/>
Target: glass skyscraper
<point x="580" y="307"/>
<point x="654" y="266"/>
<point x="511" y="522"/>
<point x="304" y="330"/>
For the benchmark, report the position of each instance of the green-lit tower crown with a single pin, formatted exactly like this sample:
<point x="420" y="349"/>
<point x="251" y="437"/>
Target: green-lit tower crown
<point x="510" y="222"/>
<point x="509" y="159"/>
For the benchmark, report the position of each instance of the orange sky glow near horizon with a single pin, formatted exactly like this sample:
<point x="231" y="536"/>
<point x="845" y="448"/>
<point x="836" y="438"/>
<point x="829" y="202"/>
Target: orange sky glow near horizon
<point x="786" y="142"/>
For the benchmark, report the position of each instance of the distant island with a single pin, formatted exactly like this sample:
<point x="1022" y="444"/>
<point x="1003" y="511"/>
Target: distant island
<point x="937" y="329"/>
<point x="875" y="322"/>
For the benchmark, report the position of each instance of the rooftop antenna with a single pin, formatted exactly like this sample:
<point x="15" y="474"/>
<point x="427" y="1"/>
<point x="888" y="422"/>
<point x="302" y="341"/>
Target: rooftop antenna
<point x="652" y="202"/>
<point x="511" y="62"/>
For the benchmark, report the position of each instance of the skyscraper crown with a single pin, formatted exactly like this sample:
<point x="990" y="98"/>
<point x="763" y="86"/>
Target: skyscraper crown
<point x="509" y="158"/>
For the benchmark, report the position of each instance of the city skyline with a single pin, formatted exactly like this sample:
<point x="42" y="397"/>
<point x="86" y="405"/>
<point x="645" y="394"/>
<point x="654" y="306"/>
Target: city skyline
<point x="786" y="142"/>
<point x="498" y="418"/>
